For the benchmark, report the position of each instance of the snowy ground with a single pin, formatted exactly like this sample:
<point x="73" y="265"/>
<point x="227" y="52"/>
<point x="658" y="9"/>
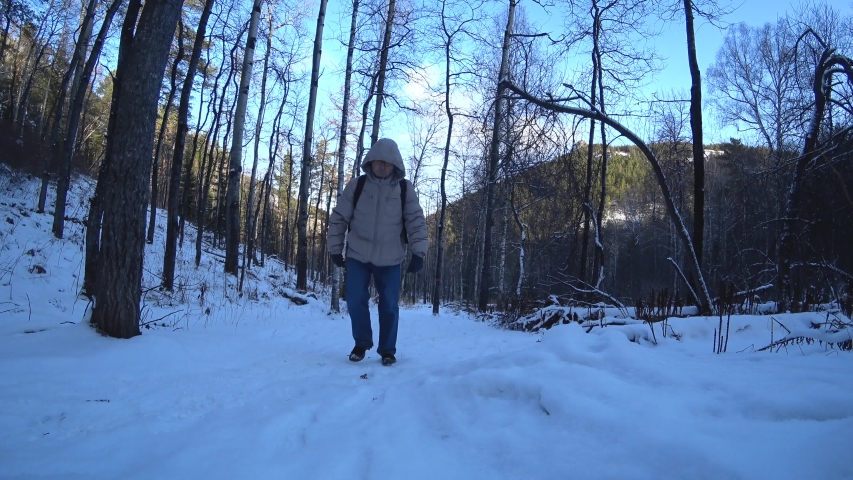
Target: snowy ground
<point x="261" y="388"/>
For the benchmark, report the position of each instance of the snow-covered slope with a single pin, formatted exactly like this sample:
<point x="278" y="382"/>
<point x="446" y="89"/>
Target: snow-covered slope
<point x="253" y="386"/>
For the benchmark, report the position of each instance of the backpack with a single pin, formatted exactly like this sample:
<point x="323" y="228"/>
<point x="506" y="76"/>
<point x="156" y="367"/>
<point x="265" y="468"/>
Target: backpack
<point x="360" y="186"/>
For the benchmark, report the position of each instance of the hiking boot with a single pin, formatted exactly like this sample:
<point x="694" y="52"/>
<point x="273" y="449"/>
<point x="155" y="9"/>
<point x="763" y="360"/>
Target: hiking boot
<point x="357" y="354"/>
<point x="388" y="360"/>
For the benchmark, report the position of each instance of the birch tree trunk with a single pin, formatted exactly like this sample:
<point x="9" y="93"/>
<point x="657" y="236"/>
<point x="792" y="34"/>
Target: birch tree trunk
<point x="235" y="167"/>
<point x="302" y="242"/>
<point x="485" y="273"/>
<point x="337" y="276"/>
<point x="250" y="218"/>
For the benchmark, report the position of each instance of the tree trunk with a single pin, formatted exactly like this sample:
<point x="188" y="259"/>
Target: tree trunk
<point x="288" y="231"/>
<point x="696" y="128"/>
<point x="439" y="250"/>
<point x="313" y="250"/>
<point x="787" y="236"/>
<point x="205" y="179"/>
<point x="590" y="154"/>
<point x="302" y="242"/>
<point x="273" y="154"/>
<point x="232" y="202"/>
<point x="522" y="227"/>
<point x="96" y="211"/>
<point x="119" y="290"/>
<point x="322" y="252"/>
<point x="248" y="250"/>
<point x="178" y="155"/>
<point x="383" y="66"/>
<point x="598" y="259"/>
<point x="365" y="108"/>
<point x="185" y="195"/>
<point x="337" y="276"/>
<point x="485" y="273"/>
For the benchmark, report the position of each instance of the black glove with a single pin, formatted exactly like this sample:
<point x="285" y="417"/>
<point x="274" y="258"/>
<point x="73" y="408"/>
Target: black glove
<point x="416" y="264"/>
<point x="338" y="259"/>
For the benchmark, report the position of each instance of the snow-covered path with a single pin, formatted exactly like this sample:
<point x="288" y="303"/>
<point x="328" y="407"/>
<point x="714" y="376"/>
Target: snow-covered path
<point x="279" y="399"/>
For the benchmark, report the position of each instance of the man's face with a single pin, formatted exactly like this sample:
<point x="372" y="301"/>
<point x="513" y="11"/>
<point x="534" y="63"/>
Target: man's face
<point x="381" y="168"/>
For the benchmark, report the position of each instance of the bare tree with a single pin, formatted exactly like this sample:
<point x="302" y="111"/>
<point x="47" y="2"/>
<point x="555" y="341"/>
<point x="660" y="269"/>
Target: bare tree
<point x="702" y="296"/>
<point x="178" y="155"/>
<point x="824" y="84"/>
<point x="75" y="108"/>
<point x="696" y="128"/>
<point x="494" y="156"/>
<point x="453" y="26"/>
<point x="753" y="84"/>
<point x="342" y="144"/>
<point x="232" y="204"/>
<point x="302" y="244"/>
<point x="248" y="250"/>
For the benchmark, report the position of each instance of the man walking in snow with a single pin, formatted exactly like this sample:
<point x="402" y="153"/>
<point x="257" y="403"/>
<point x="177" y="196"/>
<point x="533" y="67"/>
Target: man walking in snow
<point x="378" y="213"/>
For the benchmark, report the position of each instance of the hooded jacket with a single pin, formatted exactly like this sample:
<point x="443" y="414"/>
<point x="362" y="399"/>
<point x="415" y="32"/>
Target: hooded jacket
<point x="376" y="225"/>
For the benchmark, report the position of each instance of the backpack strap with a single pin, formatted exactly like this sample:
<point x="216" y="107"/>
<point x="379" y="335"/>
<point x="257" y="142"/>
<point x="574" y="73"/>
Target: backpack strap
<point x="359" y="186"/>
<point x="403" y="209"/>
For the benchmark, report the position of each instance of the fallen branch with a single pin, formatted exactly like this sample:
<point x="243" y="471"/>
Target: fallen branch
<point x="145" y="324"/>
<point x="596" y="291"/>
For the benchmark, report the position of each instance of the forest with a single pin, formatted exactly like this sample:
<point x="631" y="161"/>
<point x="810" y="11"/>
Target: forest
<point x="550" y="169"/>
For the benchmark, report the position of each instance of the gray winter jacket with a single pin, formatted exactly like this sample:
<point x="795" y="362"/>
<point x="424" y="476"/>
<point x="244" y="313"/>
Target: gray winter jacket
<point x="376" y="225"/>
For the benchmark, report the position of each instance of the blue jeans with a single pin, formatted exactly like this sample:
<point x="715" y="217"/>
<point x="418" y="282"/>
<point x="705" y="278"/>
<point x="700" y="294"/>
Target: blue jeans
<point x="387" y="280"/>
